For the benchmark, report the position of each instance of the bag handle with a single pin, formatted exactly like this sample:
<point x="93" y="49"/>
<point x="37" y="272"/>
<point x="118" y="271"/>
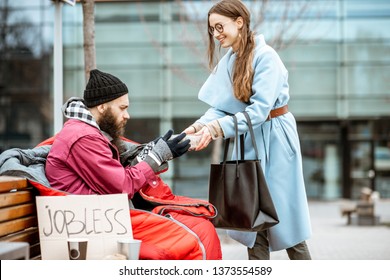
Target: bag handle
<point x="227" y="142"/>
<point x="252" y="134"/>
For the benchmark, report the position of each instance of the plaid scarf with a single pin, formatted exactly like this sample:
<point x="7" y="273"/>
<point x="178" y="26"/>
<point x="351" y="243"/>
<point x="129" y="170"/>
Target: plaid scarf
<point x="74" y="108"/>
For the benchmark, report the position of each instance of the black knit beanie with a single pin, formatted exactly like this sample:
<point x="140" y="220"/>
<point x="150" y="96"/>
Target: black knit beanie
<point x="102" y="87"/>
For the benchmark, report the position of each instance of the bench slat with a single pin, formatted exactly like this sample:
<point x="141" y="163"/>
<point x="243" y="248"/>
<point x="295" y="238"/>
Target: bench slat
<point x="17" y="225"/>
<point x="18" y="219"/>
<point x="35" y="251"/>
<point x="15" y="198"/>
<point x="18" y="211"/>
<point x="30" y="235"/>
<point x="8" y="183"/>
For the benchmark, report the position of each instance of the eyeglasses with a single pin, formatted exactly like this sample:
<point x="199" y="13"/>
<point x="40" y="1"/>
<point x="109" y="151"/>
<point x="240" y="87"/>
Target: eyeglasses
<point x="218" y="27"/>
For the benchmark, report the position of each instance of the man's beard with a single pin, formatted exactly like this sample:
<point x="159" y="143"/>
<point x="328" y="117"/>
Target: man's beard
<point x="109" y="125"/>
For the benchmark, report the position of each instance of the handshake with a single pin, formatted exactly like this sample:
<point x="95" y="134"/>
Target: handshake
<point x="176" y="143"/>
<point x="165" y="148"/>
<point x="194" y="139"/>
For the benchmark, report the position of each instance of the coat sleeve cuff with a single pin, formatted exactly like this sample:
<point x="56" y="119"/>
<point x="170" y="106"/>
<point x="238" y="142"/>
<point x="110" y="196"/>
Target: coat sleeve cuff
<point x="150" y="176"/>
<point x="197" y="126"/>
<point x="215" y="129"/>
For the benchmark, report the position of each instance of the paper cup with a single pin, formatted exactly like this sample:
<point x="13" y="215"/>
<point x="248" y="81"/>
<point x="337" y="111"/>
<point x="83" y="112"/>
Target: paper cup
<point x="129" y="248"/>
<point x="77" y="248"/>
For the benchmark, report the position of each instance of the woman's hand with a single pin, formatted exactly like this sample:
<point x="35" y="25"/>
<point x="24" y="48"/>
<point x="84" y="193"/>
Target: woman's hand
<point x="205" y="140"/>
<point x="189" y="130"/>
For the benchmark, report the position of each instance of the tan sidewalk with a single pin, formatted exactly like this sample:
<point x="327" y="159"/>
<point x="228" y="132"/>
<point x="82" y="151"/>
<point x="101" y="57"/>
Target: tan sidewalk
<point x="332" y="238"/>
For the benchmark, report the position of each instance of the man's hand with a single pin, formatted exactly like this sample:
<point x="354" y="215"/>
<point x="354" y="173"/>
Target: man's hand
<point x="176" y="145"/>
<point x="165" y="149"/>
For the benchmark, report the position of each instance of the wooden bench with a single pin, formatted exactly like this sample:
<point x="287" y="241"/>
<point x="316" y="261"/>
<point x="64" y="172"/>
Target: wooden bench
<point x="348" y="210"/>
<point x="366" y="214"/>
<point x="18" y="219"/>
<point x="360" y="213"/>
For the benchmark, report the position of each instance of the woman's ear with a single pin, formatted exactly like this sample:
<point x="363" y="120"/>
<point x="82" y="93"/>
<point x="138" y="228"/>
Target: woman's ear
<point x="239" y="22"/>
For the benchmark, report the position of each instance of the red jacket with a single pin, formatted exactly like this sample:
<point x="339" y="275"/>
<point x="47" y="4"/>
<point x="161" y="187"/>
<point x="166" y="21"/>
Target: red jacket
<point x="177" y="228"/>
<point x="83" y="161"/>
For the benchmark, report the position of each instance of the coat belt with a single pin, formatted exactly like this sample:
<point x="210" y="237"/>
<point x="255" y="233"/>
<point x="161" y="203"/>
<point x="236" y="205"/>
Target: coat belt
<point x="277" y="112"/>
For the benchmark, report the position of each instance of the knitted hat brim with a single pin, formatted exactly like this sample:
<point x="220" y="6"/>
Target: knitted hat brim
<point x="100" y="95"/>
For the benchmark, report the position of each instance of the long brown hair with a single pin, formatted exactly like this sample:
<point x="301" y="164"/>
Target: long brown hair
<point x="242" y="70"/>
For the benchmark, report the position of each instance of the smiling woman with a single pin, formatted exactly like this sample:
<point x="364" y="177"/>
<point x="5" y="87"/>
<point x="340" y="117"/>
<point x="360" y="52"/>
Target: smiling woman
<point x="250" y="80"/>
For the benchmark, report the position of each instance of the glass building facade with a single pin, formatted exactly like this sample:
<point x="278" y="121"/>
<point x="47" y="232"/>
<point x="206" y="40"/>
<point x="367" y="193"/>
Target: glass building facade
<point x="337" y="53"/>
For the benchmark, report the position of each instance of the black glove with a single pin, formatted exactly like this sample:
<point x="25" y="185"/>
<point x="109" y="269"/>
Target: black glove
<point x="176" y="145"/>
<point x="156" y="154"/>
<point x="167" y="135"/>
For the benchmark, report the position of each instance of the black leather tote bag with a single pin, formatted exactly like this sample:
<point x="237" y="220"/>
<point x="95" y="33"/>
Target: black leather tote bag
<point x="239" y="191"/>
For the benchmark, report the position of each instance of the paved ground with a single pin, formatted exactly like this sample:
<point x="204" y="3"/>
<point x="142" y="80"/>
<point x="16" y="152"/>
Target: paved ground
<point x="332" y="238"/>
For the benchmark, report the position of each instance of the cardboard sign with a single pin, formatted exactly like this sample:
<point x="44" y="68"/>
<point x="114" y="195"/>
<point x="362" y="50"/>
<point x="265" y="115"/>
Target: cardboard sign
<point x="102" y="219"/>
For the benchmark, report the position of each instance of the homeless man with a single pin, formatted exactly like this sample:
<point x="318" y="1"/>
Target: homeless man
<point x="89" y="155"/>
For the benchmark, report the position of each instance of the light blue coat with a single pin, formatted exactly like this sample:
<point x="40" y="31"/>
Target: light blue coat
<point x="277" y="139"/>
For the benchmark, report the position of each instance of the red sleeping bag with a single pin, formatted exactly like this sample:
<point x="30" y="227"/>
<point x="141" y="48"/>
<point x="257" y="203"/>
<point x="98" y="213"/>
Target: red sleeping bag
<point x="176" y="227"/>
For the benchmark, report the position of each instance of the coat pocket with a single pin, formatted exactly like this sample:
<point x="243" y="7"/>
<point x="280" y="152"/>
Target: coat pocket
<point x="286" y="141"/>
